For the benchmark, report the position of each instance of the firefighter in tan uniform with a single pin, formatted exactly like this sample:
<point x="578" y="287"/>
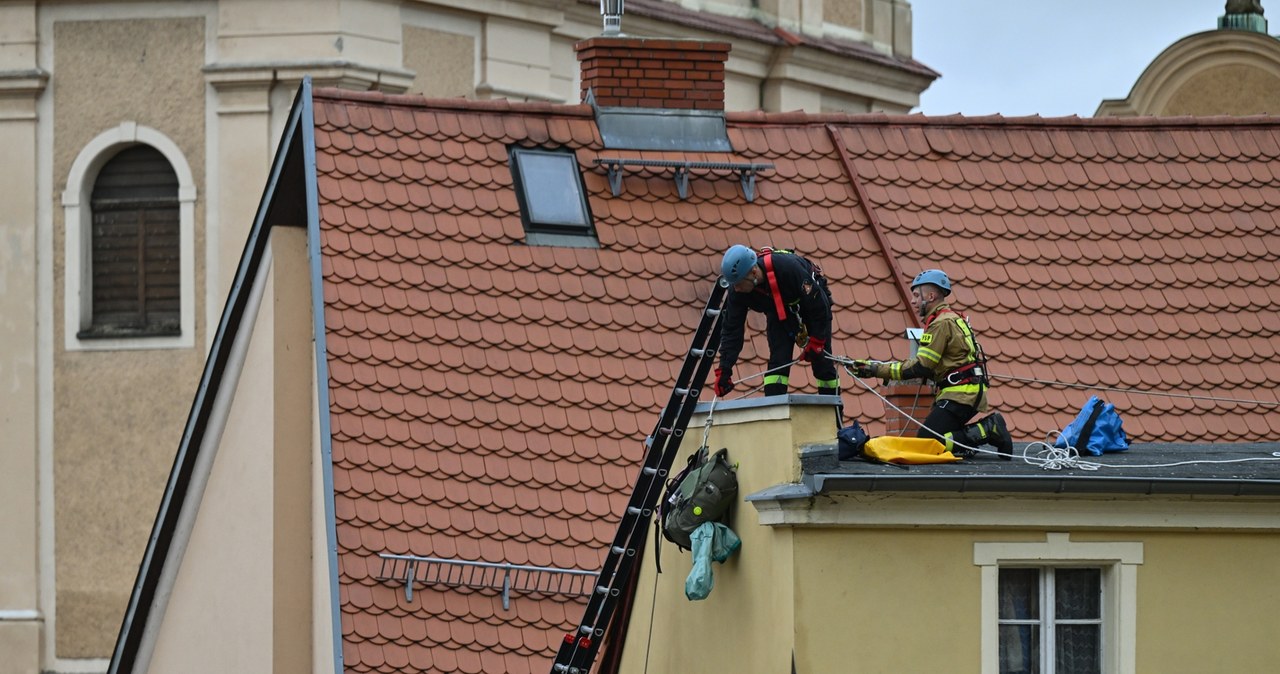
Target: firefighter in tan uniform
<point x="950" y="357"/>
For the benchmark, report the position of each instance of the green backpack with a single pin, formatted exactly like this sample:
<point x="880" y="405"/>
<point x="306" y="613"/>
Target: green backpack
<point x="702" y="492"/>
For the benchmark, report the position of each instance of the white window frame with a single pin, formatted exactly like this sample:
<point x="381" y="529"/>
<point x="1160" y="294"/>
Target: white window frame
<point x="77" y="215"/>
<point x="1119" y="562"/>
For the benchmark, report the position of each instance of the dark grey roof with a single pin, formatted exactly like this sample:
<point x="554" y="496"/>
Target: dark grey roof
<point x="1245" y="469"/>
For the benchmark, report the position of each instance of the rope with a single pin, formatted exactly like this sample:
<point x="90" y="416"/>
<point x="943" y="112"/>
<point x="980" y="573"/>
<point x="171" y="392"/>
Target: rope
<point x="1117" y="389"/>
<point x="1048" y="456"/>
<point x="754" y="376"/>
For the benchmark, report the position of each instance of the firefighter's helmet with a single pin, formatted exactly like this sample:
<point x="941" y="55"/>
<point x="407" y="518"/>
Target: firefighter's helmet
<point x="933" y="277"/>
<point x="737" y="263"/>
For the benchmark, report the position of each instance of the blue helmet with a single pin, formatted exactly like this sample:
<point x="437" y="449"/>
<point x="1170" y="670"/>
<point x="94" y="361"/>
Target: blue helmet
<point x="933" y="277"/>
<point x="738" y="261"/>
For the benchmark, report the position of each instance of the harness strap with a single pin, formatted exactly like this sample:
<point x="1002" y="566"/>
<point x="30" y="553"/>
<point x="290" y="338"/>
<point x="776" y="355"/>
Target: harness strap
<point x="774" y="290"/>
<point x="972" y="376"/>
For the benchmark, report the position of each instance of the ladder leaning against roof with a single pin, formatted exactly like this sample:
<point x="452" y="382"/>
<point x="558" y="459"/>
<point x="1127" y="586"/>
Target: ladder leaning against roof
<point x="579" y="648"/>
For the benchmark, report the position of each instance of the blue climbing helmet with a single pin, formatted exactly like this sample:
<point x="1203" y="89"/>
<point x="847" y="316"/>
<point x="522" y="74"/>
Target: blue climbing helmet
<point x="933" y="277"/>
<point x="738" y="261"/>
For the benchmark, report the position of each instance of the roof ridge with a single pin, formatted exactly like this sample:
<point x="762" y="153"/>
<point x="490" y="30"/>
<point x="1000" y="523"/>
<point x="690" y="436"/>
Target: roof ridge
<point x="800" y="117"/>
<point x="465" y="104"/>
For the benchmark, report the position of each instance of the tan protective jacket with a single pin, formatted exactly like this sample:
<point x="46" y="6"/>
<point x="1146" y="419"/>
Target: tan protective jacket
<point x="947" y="343"/>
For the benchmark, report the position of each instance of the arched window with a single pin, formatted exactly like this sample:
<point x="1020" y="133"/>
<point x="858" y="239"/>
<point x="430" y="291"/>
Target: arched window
<point x="134" y="247"/>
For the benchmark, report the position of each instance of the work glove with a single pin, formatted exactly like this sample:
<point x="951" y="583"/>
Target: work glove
<point x="864" y="369"/>
<point x="724" y="381"/>
<point x="813" y="351"/>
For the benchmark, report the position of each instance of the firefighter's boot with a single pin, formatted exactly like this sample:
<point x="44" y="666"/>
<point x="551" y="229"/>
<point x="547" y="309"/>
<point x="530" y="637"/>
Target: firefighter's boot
<point x="991" y="431"/>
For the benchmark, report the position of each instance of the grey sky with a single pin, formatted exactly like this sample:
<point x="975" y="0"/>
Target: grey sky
<point x="1047" y="57"/>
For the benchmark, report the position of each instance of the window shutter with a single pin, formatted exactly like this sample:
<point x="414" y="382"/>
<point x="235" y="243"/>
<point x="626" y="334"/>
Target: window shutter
<point x="134" y="245"/>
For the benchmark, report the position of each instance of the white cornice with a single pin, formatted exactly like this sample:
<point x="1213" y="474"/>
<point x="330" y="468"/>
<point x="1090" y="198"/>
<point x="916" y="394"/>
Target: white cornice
<point x="997" y="511"/>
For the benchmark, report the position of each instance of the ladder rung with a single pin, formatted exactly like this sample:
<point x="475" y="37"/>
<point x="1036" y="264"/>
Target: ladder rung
<point x="697" y="353"/>
<point x="682" y="392"/>
<point x="713" y="312"/>
<point x="649" y="470"/>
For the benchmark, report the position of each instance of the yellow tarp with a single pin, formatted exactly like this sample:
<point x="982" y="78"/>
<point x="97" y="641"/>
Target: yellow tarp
<point x="898" y="449"/>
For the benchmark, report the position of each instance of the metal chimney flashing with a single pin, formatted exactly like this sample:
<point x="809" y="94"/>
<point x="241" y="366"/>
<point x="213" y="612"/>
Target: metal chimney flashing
<point x="666" y="129"/>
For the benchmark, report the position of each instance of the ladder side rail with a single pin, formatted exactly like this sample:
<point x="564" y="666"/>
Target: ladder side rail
<point x="650" y="482"/>
<point x="635" y="521"/>
<point x="601" y="623"/>
<point x="652" y="471"/>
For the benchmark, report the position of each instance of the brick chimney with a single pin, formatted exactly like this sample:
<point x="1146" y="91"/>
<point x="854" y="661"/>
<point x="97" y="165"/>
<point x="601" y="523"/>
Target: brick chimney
<point x="632" y="72"/>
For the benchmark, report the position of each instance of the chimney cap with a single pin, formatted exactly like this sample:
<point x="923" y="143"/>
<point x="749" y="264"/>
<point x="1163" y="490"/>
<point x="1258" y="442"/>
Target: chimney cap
<point x="611" y="10"/>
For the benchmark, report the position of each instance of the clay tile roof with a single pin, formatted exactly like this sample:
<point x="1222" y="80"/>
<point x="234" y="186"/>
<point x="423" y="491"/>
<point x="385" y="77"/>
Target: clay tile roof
<point x="490" y="398"/>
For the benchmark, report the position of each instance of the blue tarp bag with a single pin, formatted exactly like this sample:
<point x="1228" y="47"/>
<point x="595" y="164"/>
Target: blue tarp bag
<point x="1097" y="429"/>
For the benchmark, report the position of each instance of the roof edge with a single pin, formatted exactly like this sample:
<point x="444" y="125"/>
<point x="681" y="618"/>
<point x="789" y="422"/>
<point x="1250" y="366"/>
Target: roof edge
<point x="315" y="264"/>
<point x="420" y="101"/>
<point x="146" y="596"/>
<point x="800" y="118"/>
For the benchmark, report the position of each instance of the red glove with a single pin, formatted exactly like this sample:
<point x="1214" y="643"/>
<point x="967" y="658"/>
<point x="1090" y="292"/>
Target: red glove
<point x="813" y="351"/>
<point x="724" y="382"/>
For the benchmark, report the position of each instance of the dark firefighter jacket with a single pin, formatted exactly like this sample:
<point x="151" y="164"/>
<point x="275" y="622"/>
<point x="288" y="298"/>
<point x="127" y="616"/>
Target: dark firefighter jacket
<point x="804" y="299"/>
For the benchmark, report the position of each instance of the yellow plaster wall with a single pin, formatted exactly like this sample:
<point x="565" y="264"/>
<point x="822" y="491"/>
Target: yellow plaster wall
<point x="245" y="576"/>
<point x="444" y="63"/>
<point x="747" y="623"/>
<point x="19" y="375"/>
<point x="885" y="600"/>
<point x="1207" y="603"/>
<point x="223" y="590"/>
<point x="116" y="421"/>
<point x="1227" y="89"/>
<point x="847" y="13"/>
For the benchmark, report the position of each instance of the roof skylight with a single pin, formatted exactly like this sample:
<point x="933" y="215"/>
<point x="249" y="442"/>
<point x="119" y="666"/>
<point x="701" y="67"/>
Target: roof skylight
<point x="549" y="187"/>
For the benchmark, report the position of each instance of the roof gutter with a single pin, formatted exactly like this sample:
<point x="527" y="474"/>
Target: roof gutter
<point x="1036" y="484"/>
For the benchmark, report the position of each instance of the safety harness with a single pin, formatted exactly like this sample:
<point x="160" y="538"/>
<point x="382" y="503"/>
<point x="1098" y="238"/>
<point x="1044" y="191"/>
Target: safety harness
<point x="767" y="254"/>
<point x="971" y="377"/>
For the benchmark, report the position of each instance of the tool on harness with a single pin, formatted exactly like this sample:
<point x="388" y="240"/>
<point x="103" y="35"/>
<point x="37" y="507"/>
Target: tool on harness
<point x="971" y="373"/>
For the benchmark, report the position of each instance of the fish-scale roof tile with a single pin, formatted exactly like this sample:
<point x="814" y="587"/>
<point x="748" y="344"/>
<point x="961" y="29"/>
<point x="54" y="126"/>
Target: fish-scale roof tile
<point x="489" y="398"/>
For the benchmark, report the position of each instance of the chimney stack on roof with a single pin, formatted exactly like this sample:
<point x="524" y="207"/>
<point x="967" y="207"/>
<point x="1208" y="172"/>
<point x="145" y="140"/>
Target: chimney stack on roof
<point x="633" y="72"/>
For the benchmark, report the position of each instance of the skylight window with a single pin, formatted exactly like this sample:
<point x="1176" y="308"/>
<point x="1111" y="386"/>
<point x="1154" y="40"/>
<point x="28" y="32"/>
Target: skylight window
<point x="553" y="202"/>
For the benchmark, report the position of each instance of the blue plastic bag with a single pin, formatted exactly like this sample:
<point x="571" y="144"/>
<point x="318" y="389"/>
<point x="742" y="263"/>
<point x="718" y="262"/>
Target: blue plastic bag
<point x="1097" y="429"/>
<point x="712" y="542"/>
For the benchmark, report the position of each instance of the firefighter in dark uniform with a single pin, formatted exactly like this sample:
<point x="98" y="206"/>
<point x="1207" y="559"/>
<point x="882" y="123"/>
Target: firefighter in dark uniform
<point x="792" y="294"/>
<point x="950" y="357"/>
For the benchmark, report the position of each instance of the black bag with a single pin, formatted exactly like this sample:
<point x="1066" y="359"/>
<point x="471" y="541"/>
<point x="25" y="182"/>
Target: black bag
<point x="850" y="441"/>
<point x="702" y="492"/>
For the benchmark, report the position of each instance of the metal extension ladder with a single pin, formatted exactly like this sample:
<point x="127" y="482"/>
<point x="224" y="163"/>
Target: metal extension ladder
<point x="578" y="649"/>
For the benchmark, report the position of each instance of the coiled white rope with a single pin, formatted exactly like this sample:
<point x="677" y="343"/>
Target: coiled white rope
<point x="1048" y="455"/>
